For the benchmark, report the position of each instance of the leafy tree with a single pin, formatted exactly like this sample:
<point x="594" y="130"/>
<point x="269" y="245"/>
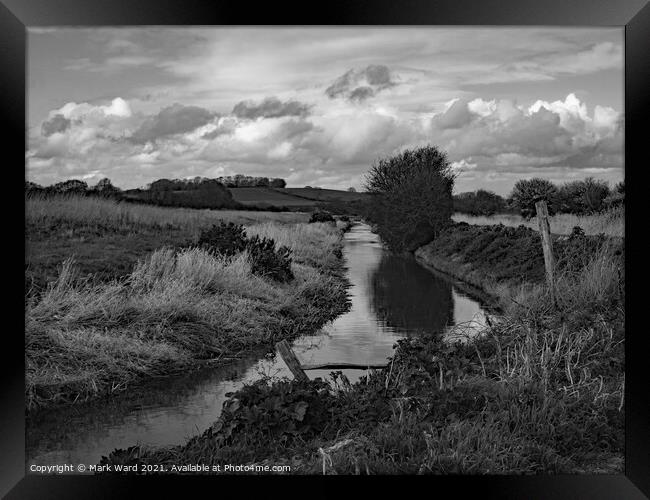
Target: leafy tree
<point x="582" y="197"/>
<point x="72" y="186"/>
<point x="594" y="194"/>
<point x="527" y="192"/>
<point x="352" y="190"/>
<point x="410" y="197"/>
<point x="480" y="202"/>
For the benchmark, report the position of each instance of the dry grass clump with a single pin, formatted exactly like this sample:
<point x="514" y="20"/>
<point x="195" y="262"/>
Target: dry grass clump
<point x="610" y="223"/>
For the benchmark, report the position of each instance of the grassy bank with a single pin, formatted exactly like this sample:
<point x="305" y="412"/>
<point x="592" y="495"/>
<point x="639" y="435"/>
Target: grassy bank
<point x="93" y="330"/>
<point x="498" y="257"/>
<point x="107" y="238"/>
<point x="610" y="223"/>
<point x="540" y="392"/>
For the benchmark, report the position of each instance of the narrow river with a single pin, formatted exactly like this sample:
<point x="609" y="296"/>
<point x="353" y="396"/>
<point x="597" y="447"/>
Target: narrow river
<point x="392" y="297"/>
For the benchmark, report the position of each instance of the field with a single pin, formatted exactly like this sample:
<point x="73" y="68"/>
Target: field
<point x="119" y="292"/>
<point x="610" y="223"/>
<point x="107" y="238"/>
<point x="305" y="198"/>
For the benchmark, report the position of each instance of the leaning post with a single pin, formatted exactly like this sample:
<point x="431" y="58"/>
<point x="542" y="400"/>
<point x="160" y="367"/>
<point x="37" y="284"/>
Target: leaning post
<point x="547" y="245"/>
<point x="291" y="360"/>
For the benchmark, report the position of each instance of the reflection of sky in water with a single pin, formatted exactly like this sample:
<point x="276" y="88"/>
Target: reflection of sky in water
<point x="392" y="297"/>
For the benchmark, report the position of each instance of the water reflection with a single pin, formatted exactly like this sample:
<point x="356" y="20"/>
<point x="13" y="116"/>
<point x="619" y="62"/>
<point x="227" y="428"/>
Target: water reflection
<point x="392" y="297"/>
<point x="408" y="298"/>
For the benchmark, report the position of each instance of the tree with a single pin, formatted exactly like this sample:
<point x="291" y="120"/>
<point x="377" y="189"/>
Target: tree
<point x="410" y="197"/>
<point x="73" y="186"/>
<point x="582" y="197"/>
<point x="527" y="192"/>
<point x="480" y="202"/>
<point x="278" y="183"/>
<point x="594" y="194"/>
<point x="352" y="190"/>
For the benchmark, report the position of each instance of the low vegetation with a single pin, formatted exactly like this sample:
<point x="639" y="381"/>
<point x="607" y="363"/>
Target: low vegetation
<point x="178" y="306"/>
<point x="610" y="222"/>
<point x="107" y="237"/>
<point x="541" y="391"/>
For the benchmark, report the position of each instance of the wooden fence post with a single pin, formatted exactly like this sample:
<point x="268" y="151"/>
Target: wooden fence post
<point x="291" y="360"/>
<point x="547" y="245"/>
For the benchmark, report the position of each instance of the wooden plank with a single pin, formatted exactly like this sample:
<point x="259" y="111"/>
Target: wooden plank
<point x="291" y="360"/>
<point x="343" y="366"/>
<point x="547" y="245"/>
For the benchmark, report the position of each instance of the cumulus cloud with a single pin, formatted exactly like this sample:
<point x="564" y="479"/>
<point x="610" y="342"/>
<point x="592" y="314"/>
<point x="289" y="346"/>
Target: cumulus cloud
<point x="174" y="119"/>
<point x="58" y="123"/>
<point x="359" y="85"/>
<point x="501" y="136"/>
<point x="487" y="140"/>
<point x="457" y="115"/>
<point x="271" y="107"/>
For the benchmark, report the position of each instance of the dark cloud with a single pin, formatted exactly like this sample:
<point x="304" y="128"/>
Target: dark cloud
<point x="271" y="107"/>
<point x="225" y="127"/>
<point x="174" y="119"/>
<point x="361" y="93"/>
<point x="58" y="123"/>
<point x="358" y="85"/>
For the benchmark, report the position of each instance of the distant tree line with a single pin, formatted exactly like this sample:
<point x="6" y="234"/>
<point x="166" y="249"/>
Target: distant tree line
<point x="237" y="181"/>
<point x="74" y="186"/>
<point x="190" y="193"/>
<point x="582" y="197"/>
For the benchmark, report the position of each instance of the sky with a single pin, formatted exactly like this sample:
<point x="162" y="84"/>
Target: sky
<point x="317" y="106"/>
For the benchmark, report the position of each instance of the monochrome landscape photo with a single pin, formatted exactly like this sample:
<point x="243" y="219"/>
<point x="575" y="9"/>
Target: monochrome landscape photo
<point x="325" y="250"/>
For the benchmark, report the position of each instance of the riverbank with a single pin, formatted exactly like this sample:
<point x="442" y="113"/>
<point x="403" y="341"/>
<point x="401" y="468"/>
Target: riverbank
<point x="93" y="331"/>
<point x="540" y="392"/>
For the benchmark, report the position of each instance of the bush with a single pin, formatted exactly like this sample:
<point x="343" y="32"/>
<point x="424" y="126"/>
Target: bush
<point x="527" y="192"/>
<point x="223" y="239"/>
<point x="584" y="197"/>
<point x="266" y="261"/>
<point x="410" y="197"/>
<point x="321" y="216"/>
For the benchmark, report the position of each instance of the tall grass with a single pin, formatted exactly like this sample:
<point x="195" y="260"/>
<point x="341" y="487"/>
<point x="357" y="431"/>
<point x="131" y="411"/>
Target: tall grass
<point x="86" y="337"/>
<point x="610" y="223"/>
<point x="92" y="211"/>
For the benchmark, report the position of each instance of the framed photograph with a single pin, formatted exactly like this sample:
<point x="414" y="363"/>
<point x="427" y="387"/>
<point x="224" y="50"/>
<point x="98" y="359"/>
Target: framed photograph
<point x="265" y="245"/>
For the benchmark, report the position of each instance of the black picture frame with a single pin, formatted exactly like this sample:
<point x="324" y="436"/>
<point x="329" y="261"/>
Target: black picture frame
<point x="17" y="15"/>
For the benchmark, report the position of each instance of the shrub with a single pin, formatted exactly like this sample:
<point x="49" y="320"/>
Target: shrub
<point x="321" y="216"/>
<point x="582" y="197"/>
<point x="224" y="239"/>
<point x="527" y="192"/>
<point x="267" y="261"/>
<point x="410" y="197"/>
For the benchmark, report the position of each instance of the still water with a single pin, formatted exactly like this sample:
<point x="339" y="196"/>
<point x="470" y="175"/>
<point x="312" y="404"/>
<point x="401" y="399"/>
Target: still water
<point x="392" y="297"/>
